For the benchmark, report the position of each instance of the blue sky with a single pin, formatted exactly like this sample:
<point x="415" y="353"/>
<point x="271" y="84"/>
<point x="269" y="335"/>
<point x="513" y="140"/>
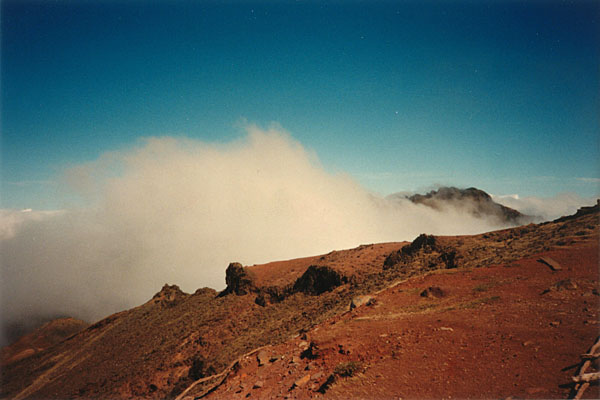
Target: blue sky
<point x="501" y="95"/>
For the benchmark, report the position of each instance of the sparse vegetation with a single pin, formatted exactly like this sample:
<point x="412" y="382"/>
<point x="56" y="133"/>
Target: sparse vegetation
<point x="484" y="287"/>
<point x="347" y="369"/>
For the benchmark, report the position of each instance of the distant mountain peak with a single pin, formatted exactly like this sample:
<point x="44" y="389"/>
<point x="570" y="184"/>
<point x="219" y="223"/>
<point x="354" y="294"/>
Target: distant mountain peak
<point x="474" y="201"/>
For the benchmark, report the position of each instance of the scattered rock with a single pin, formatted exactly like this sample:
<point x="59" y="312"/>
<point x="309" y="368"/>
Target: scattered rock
<point x="317" y="376"/>
<point x="327" y="384"/>
<point x="311" y="352"/>
<point x="262" y="358"/>
<point x="258" y="385"/>
<point x="433" y="291"/>
<point x="445" y="328"/>
<point x="567" y="284"/>
<point x="527" y="343"/>
<point x="295" y="360"/>
<point x="554" y="266"/>
<point x="303" y="344"/>
<point x="555" y="323"/>
<point x="302" y="381"/>
<point x="359" y="301"/>
<point x="260" y="300"/>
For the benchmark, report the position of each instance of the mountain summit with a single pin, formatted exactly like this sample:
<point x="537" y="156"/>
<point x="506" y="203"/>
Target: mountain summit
<point x="472" y="200"/>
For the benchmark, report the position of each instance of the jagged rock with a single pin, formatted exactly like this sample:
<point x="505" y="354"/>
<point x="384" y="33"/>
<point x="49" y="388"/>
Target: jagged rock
<point x="169" y="296"/>
<point x="317" y="280"/>
<point x="359" y="301"/>
<point x="260" y="300"/>
<point x="422" y="242"/>
<point x="423" y="252"/>
<point x="311" y="352"/>
<point x="238" y="280"/>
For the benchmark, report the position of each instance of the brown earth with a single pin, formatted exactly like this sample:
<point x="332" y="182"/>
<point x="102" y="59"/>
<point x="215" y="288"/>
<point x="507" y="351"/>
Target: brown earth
<point x="464" y="316"/>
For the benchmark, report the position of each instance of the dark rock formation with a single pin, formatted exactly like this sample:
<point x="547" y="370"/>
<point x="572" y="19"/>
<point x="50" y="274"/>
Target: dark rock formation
<point x="239" y="281"/>
<point x="317" y="280"/>
<point x="424" y="252"/>
<point x="169" y="296"/>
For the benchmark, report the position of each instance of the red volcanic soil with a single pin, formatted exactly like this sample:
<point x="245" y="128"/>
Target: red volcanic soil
<point x="505" y="330"/>
<point x="442" y="317"/>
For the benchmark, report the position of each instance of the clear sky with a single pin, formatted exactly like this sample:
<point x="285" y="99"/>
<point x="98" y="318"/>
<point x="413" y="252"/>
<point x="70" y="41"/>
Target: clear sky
<point x="501" y="95"/>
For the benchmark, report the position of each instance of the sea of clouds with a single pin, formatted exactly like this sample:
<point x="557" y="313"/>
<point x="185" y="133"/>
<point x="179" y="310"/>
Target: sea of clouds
<point x="175" y="210"/>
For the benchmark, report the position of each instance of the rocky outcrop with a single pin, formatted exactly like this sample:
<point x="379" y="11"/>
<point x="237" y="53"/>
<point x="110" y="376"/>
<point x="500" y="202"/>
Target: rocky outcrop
<point x="169" y="296"/>
<point x="422" y="253"/>
<point x="238" y="279"/>
<point x="317" y="280"/>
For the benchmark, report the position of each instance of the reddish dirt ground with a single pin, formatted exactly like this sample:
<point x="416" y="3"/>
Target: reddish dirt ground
<point x="494" y="334"/>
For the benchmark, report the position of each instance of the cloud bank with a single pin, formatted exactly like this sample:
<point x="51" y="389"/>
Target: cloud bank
<point x="545" y="208"/>
<point x="179" y="210"/>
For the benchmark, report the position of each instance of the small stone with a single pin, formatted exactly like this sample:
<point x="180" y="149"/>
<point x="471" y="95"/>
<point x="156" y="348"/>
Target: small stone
<point x="302" y="381"/>
<point x="303" y="344"/>
<point x="433" y="291"/>
<point x="258" y="385"/>
<point x="527" y="343"/>
<point x="554" y="266"/>
<point x="359" y="301"/>
<point x="262" y="358"/>
<point x="316" y="376"/>
<point x="295" y="360"/>
<point x="555" y="323"/>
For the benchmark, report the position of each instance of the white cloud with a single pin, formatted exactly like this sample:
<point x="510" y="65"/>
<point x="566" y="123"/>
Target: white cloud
<point x="12" y="220"/>
<point x="179" y="210"/>
<point x="546" y="208"/>
<point x="588" y="180"/>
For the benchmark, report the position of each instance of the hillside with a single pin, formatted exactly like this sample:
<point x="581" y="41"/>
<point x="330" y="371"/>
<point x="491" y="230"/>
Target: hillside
<point x="456" y="316"/>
